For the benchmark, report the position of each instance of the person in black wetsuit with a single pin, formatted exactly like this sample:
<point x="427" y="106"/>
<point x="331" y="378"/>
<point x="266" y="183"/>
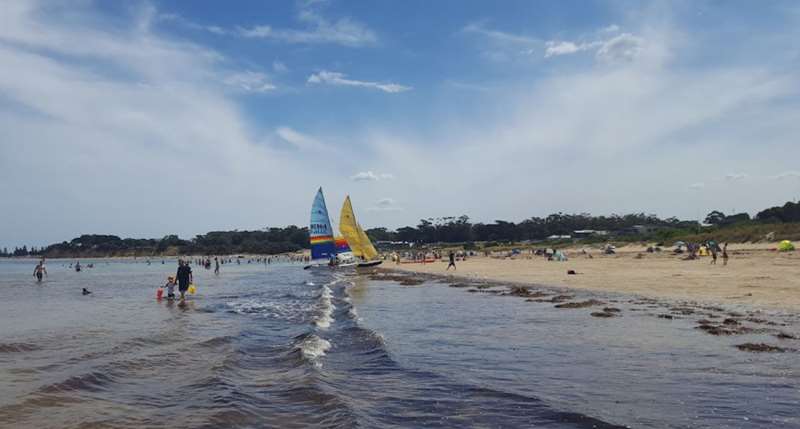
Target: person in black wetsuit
<point x="184" y="276"/>
<point x="452" y="261"/>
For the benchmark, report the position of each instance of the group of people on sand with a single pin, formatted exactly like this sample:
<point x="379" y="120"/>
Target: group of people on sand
<point x="709" y="247"/>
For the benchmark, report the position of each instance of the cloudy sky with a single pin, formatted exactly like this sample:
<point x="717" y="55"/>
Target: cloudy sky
<point x="147" y="118"/>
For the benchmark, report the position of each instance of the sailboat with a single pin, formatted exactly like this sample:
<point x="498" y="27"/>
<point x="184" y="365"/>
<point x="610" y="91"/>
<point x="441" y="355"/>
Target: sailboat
<point x="323" y="246"/>
<point x="359" y="243"/>
<point x="326" y="249"/>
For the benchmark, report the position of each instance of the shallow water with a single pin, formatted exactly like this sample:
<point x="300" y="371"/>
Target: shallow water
<point x="277" y="346"/>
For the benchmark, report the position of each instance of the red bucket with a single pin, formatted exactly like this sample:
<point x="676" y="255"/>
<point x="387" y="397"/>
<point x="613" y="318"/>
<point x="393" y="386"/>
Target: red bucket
<point x="159" y="293"/>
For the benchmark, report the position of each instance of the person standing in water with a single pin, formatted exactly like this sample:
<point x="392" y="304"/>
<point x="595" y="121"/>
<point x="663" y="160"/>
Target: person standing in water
<point x="452" y="261"/>
<point x="40" y="271"/>
<point x="216" y="265"/>
<point x="184" y="276"/>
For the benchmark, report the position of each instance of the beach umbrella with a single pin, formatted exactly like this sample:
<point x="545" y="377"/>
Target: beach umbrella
<point x="785" y="246"/>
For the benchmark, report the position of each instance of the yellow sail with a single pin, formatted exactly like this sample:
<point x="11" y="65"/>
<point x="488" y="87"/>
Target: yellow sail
<point x="349" y="229"/>
<point x="366" y="246"/>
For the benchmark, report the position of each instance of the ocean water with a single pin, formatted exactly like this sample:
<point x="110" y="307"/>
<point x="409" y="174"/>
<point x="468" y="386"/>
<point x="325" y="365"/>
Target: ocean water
<point x="279" y="346"/>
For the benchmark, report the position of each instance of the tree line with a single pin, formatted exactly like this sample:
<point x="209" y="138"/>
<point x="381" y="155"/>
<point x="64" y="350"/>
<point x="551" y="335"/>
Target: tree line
<point x="460" y="229"/>
<point x="20" y="251"/>
<point x="449" y="229"/>
<point x="268" y="241"/>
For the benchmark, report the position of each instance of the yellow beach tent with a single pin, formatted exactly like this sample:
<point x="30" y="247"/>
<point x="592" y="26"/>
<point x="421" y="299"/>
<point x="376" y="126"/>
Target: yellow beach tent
<point x="785" y="246"/>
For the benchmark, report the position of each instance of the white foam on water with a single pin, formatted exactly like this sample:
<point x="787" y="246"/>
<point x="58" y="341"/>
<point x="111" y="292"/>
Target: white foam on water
<point x="325" y="318"/>
<point x="314" y="347"/>
<point x="281" y="310"/>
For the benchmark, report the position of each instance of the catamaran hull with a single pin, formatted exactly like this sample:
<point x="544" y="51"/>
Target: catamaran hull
<point x="329" y="267"/>
<point x="369" y="264"/>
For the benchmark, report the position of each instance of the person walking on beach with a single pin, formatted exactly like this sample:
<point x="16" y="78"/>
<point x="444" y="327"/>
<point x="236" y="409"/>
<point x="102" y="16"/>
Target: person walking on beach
<point x="39" y="271"/>
<point x="452" y="261"/>
<point x="216" y="265"/>
<point x="725" y="254"/>
<point x="184" y="276"/>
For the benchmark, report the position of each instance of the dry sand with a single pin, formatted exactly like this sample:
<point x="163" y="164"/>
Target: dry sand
<point x="756" y="275"/>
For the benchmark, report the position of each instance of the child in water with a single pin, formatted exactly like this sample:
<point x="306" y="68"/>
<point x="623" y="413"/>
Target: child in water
<point x="170" y="286"/>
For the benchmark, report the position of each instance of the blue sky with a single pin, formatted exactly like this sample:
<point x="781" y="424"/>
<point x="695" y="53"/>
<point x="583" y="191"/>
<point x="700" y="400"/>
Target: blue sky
<point x="148" y="118"/>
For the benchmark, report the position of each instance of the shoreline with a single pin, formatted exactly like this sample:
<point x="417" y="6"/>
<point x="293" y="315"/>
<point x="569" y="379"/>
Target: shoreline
<point x="756" y="276"/>
<point x="165" y="257"/>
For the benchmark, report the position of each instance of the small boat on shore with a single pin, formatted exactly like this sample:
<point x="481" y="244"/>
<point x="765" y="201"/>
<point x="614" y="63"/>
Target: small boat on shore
<point x="357" y="239"/>
<point x="323" y="246"/>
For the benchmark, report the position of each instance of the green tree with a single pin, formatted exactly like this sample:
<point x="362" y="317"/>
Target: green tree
<point x="716" y="217"/>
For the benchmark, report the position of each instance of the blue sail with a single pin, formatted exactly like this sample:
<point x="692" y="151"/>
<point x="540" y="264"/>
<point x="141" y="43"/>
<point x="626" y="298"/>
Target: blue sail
<point x="320" y="231"/>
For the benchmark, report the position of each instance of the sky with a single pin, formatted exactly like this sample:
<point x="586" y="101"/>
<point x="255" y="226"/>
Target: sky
<point x="147" y="118"/>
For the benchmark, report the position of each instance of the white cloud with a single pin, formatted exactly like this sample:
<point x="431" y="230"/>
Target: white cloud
<point x="787" y="175"/>
<point x="560" y="48"/>
<point x="621" y="48"/>
<point x="175" y="18"/>
<point x="698" y="185"/>
<point x="279" y="67"/>
<point x="319" y="30"/>
<point x="298" y="139"/>
<point x="500" y="36"/>
<point x="735" y="176"/>
<point x="666" y="121"/>
<point x="344" y="31"/>
<point x="624" y="47"/>
<point x="250" y="81"/>
<point x="385" y="204"/>
<point x="613" y="28"/>
<point x="167" y="125"/>
<point x="339" y="79"/>
<point x="364" y="176"/>
<point x="501" y="46"/>
<point x="555" y="48"/>
<point x="119" y="124"/>
<point x="369" y="176"/>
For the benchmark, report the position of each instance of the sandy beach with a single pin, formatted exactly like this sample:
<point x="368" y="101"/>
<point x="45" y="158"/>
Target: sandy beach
<point x="756" y="274"/>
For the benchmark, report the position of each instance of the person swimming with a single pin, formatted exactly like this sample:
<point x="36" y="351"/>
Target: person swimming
<point x="86" y="291"/>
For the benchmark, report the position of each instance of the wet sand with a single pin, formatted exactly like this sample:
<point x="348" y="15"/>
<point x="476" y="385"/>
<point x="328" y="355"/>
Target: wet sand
<point x="756" y="275"/>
